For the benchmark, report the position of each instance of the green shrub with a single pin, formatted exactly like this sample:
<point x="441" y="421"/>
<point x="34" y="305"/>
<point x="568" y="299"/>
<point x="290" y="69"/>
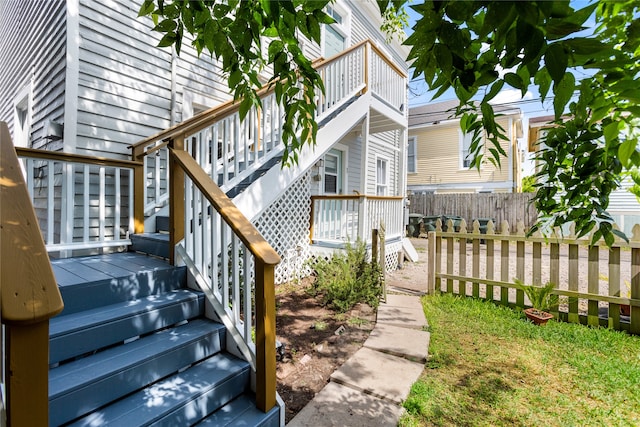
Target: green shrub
<point x="347" y="279"/>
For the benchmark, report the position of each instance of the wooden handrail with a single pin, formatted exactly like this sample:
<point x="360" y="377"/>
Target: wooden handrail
<point x="29" y="294"/>
<point x="29" y="289"/>
<point x="76" y="158"/>
<point x="241" y="226"/>
<point x="265" y="260"/>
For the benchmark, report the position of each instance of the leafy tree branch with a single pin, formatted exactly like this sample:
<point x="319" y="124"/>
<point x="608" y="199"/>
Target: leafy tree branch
<point x="478" y="48"/>
<point x="234" y="33"/>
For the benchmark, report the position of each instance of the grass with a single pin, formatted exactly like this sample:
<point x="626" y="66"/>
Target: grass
<point x="490" y="367"/>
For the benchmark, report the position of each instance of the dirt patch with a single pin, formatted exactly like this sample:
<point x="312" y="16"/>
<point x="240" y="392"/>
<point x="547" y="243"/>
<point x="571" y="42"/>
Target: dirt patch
<point x="316" y="340"/>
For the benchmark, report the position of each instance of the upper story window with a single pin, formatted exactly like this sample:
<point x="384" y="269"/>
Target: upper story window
<point x="465" y="152"/>
<point x="382" y="177"/>
<point x="335" y="37"/>
<point x="412" y="155"/>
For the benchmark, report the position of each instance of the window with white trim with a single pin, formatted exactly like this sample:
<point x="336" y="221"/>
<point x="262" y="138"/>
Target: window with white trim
<point x="412" y="155"/>
<point x="335" y="37"/>
<point x="22" y="118"/>
<point x="382" y="177"/>
<point x="465" y="152"/>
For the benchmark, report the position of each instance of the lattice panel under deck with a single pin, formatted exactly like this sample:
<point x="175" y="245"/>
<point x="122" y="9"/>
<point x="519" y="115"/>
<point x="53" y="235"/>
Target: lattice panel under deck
<point x="285" y="225"/>
<point x="391" y="256"/>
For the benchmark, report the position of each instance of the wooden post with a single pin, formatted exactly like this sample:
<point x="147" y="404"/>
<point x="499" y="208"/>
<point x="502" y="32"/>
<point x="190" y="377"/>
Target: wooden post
<point x="176" y="201"/>
<point x="634" y="327"/>
<point x="450" y="256"/>
<point x="431" y="263"/>
<point x="29" y="295"/>
<point x="265" y="336"/>
<point x="28" y="374"/>
<point x="138" y="190"/>
<point x="383" y="260"/>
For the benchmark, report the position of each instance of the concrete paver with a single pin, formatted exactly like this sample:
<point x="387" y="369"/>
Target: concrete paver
<point x="379" y="374"/>
<point x="405" y="317"/>
<point x="339" y="406"/>
<point x="411" y="344"/>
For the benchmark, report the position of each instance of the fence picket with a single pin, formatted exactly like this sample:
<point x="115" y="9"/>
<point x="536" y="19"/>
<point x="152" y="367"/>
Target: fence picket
<point x="489" y="261"/>
<point x="504" y="264"/>
<point x="462" y="262"/>
<point x="593" y="285"/>
<point x="614" y="287"/>
<point x="450" y="258"/>
<point x="520" y="262"/>
<point x="635" y="282"/>
<point x="554" y="269"/>
<point x="476" y="260"/>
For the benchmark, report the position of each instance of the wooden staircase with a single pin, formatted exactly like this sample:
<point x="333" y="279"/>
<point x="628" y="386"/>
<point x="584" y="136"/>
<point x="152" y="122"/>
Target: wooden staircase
<point x="132" y="347"/>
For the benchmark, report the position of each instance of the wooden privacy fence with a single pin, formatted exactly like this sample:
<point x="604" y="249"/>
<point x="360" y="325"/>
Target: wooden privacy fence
<point x="595" y="283"/>
<point x="510" y="207"/>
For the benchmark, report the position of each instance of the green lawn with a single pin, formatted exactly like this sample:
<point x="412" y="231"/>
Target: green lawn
<point x="488" y="366"/>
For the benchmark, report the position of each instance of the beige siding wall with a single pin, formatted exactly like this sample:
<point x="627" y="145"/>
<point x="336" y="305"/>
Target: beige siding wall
<point x="438" y="158"/>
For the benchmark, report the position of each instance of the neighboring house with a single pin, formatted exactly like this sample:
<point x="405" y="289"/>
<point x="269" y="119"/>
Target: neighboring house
<point x="623" y="205"/>
<point x="86" y="78"/>
<point x="437" y="154"/>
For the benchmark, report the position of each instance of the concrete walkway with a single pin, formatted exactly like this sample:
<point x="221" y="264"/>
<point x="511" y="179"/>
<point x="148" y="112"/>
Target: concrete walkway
<point x="369" y="388"/>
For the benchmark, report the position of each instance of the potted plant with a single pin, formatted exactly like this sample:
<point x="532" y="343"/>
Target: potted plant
<point x="542" y="299"/>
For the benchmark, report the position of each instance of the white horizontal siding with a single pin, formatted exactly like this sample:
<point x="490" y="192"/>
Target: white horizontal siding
<point x="32" y="49"/>
<point x="382" y="148"/>
<point x="124" y="80"/>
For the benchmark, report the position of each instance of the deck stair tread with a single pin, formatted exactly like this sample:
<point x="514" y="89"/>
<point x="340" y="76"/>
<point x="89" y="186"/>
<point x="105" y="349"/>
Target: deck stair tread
<point x="241" y="412"/>
<point x="81" y="332"/>
<point x="78" y="387"/>
<point x="178" y="400"/>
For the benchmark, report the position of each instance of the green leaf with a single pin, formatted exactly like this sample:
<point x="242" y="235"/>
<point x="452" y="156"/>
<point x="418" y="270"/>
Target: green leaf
<point x="168" y="39"/>
<point x="147" y="7"/>
<point x="563" y="93"/>
<point x="543" y="80"/>
<point x="495" y="89"/>
<point x="555" y="59"/>
<point x="513" y="80"/>
<point x="166" y="26"/>
<point x="626" y="149"/>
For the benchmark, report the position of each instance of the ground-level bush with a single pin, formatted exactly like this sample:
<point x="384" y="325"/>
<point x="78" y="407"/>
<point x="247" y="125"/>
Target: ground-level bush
<point x="347" y="278"/>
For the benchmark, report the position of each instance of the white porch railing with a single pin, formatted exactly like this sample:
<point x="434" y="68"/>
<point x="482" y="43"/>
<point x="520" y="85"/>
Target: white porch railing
<point x="230" y="150"/>
<point x="342" y="218"/>
<point x="387" y="81"/>
<point x="81" y="202"/>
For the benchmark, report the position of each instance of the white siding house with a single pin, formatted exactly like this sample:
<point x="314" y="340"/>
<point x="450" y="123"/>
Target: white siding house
<point x="93" y="70"/>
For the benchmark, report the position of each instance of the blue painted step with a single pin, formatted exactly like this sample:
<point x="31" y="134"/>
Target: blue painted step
<point x="78" y="333"/>
<point x="242" y="412"/>
<point x="180" y="400"/>
<point x="90" y="282"/>
<point x="82" y="386"/>
<point x="156" y="244"/>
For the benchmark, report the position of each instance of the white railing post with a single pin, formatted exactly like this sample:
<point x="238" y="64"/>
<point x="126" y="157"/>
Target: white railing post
<point x="364" y="231"/>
